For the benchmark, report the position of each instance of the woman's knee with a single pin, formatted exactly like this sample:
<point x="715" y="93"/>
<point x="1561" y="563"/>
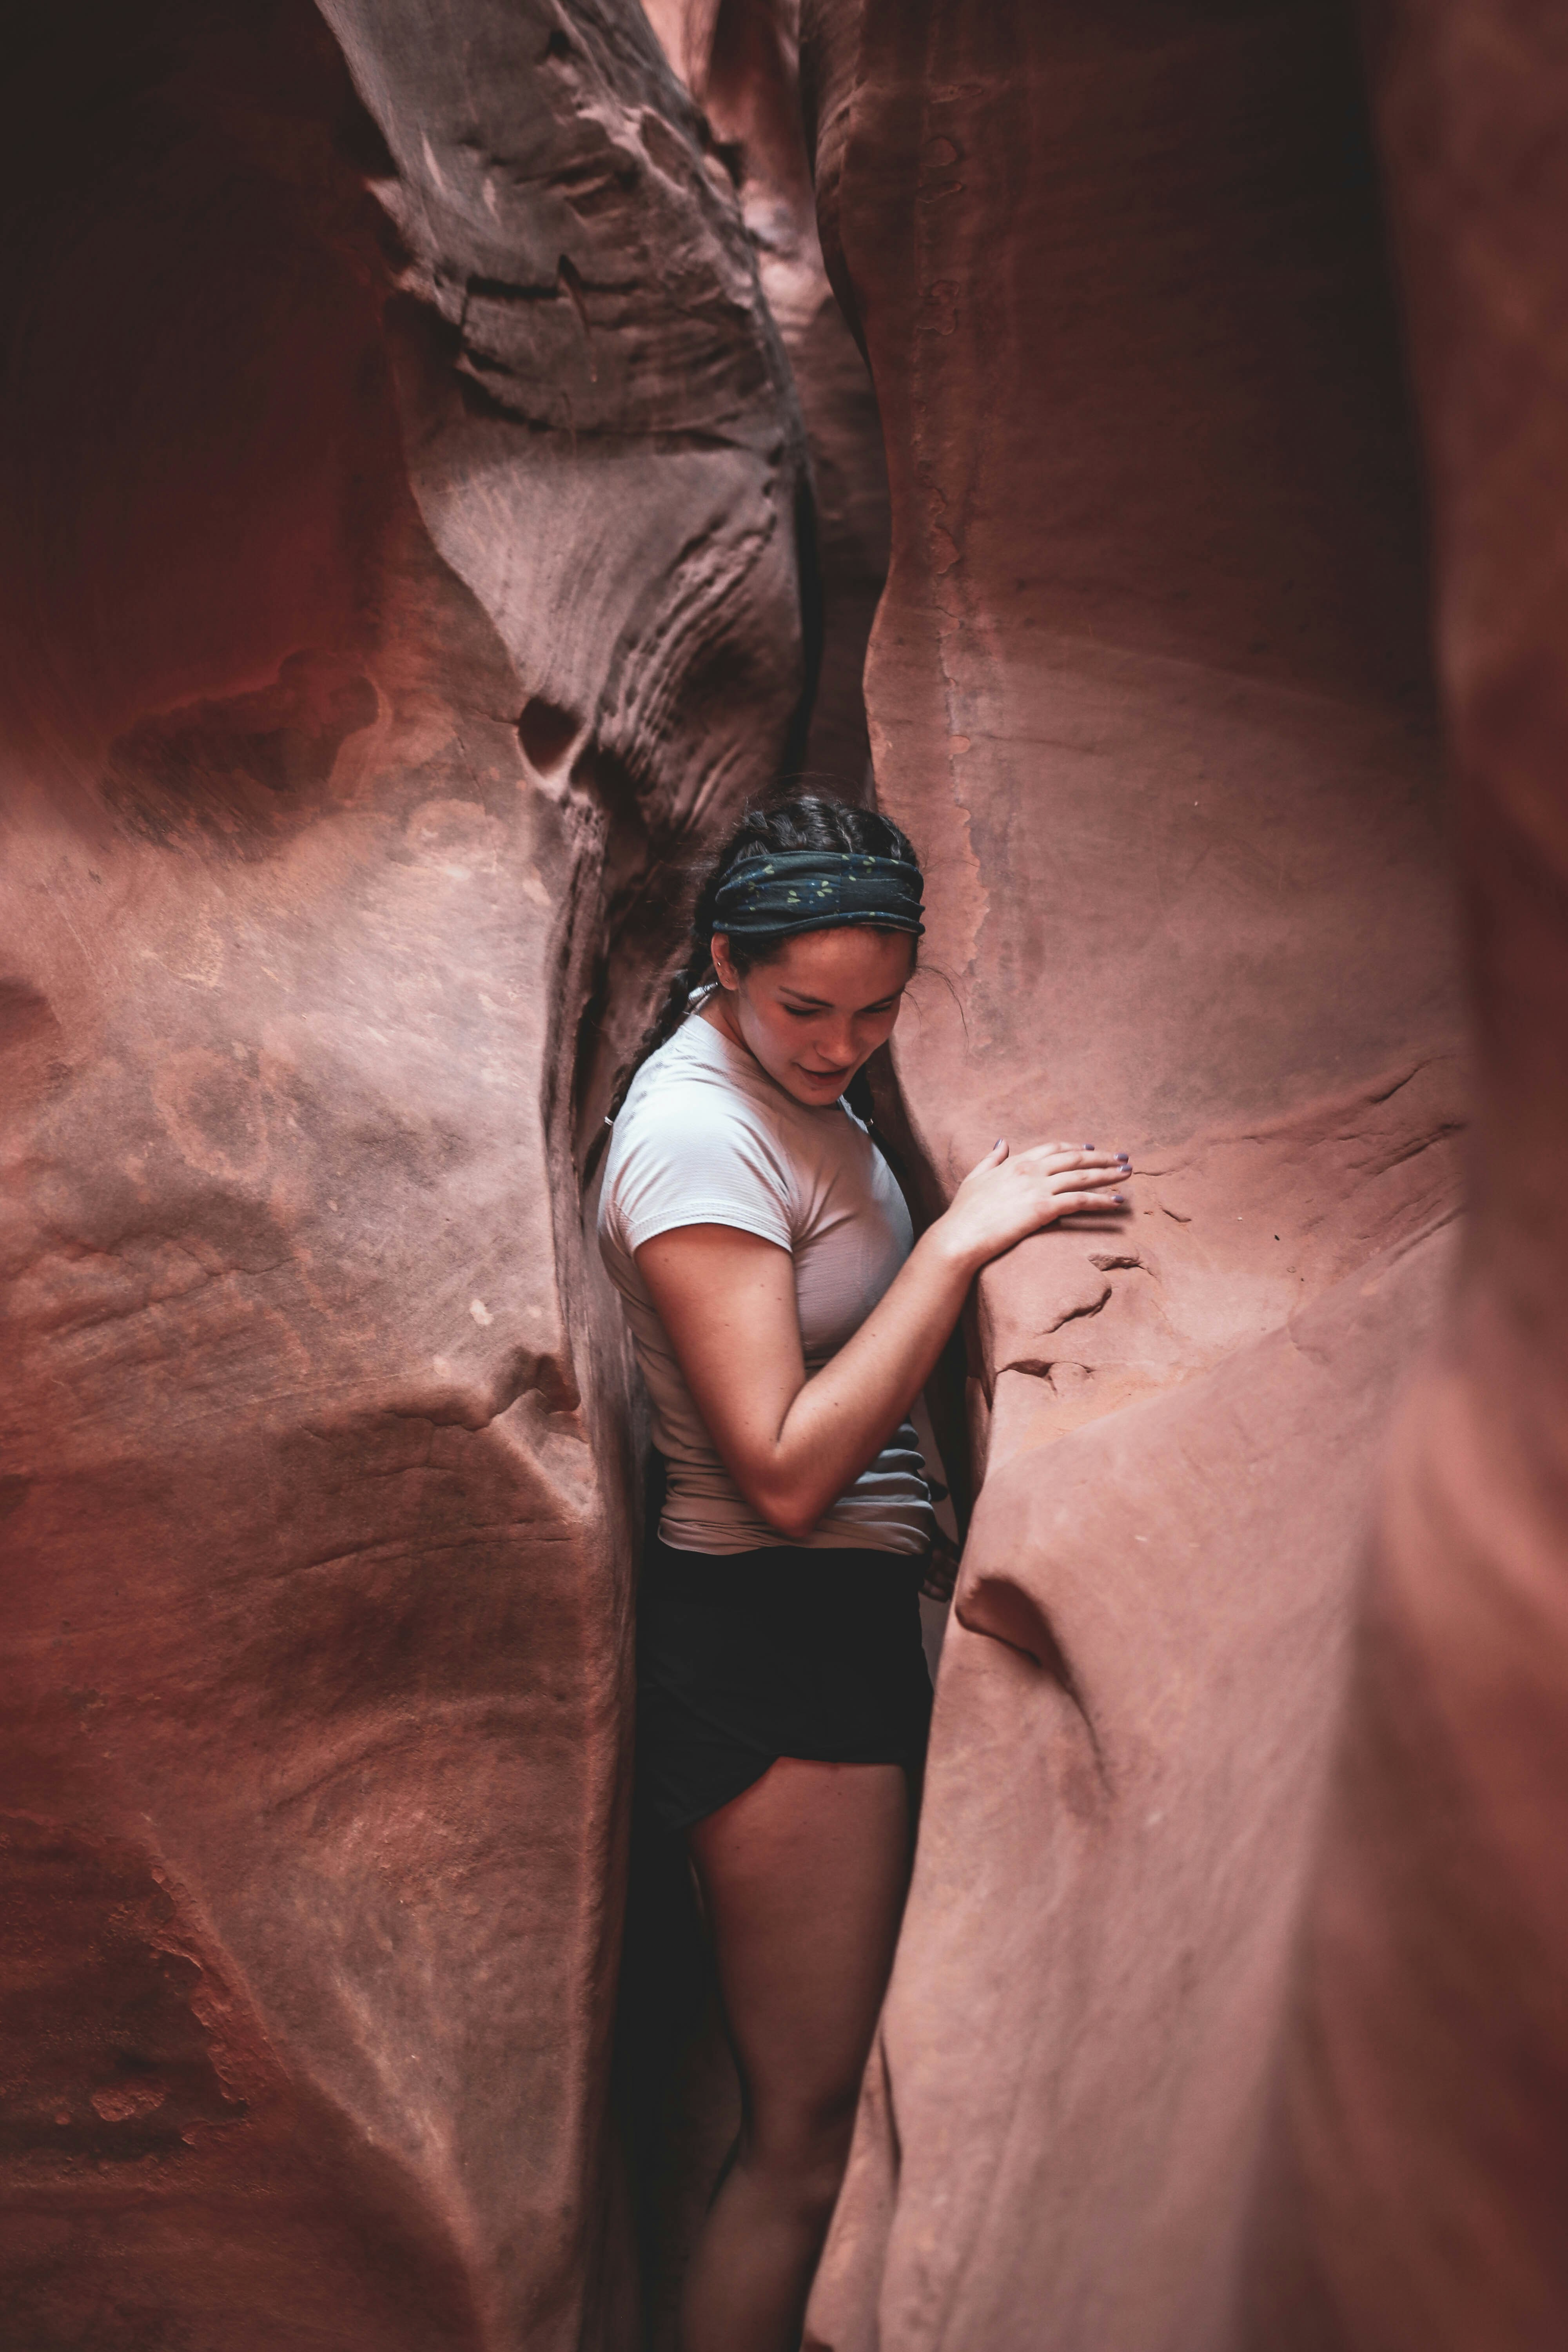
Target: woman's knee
<point x="805" y="2150"/>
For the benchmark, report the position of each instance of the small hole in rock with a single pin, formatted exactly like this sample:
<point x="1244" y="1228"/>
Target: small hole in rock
<point x="547" y="734"/>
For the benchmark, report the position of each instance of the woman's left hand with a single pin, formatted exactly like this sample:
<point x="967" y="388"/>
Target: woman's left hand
<point x="942" y="1568"/>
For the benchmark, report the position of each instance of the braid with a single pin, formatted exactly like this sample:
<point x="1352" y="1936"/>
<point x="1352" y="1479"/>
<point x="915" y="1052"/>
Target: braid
<point x="664" y="1025"/>
<point x="805" y="822"/>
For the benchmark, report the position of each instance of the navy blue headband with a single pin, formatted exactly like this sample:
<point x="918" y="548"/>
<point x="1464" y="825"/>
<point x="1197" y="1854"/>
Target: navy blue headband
<point x="784" y="890"/>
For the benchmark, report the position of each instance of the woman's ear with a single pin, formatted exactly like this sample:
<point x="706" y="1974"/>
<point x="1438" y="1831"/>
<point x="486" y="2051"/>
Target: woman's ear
<point x="728" y="976"/>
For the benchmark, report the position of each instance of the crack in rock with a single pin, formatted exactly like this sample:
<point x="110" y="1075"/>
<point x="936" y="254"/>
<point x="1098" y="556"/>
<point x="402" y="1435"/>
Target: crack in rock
<point x="1076" y="1313"/>
<point x="1039" y="1367"/>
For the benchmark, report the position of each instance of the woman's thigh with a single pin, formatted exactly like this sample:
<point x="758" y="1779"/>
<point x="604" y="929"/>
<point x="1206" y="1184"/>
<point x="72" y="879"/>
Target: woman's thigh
<point x="803" y="1877"/>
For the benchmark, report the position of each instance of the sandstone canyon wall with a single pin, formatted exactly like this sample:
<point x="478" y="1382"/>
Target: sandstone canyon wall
<point x="437" y="489"/>
<point x="1148" y="686"/>
<point x="741" y="61"/>
<point x="1420" y="2175"/>
<point x="404" y="498"/>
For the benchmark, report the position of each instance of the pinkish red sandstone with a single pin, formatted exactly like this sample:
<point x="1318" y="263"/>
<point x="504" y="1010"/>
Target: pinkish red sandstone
<point x="391" y="580"/>
<point x="1420" y="2165"/>
<point x="1148" y="686"/>
<point x="408" y="554"/>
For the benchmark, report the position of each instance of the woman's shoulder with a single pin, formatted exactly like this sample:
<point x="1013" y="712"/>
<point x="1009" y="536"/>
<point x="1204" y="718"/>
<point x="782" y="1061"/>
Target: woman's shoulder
<point x="688" y="1147"/>
<point x="689" y="1077"/>
<point x="688" y="1108"/>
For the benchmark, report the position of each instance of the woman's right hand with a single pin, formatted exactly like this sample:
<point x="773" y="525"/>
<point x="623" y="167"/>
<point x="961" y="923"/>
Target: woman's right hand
<point x="1005" y="1198"/>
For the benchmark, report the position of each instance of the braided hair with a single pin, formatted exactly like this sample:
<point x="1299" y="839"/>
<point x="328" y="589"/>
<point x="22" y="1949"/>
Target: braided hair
<point x="805" y="822"/>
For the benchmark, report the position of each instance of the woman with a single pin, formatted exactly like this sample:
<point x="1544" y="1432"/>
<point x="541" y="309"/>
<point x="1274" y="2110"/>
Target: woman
<point x="785" y="1319"/>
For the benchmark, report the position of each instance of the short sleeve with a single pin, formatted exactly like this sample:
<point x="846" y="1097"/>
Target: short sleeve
<point x="690" y="1157"/>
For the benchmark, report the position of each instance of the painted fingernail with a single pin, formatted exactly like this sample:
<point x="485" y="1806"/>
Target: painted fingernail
<point x="997" y="1145"/>
<point x="1119" y="1199"/>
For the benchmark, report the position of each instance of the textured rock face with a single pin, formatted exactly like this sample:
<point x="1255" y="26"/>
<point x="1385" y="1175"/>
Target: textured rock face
<point x="390" y="579"/>
<point x="740" y="59"/>
<point x="1418" y="2197"/>
<point x="408" y="548"/>
<point x="1148" y="688"/>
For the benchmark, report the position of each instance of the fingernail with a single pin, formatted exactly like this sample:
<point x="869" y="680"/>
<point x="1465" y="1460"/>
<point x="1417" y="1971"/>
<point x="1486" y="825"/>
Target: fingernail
<point x="1088" y="1147"/>
<point x="997" y="1145"/>
<point x="1119" y="1199"/>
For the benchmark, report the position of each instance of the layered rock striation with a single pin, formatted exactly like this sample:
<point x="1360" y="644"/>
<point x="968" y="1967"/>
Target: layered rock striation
<point x="741" y="61"/>
<point x="1148" y="686"/>
<point x="406" y="497"/>
<point x="438" y="489"/>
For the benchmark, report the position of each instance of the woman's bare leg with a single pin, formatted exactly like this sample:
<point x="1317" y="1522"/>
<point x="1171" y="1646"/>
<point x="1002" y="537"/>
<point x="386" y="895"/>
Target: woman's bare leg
<point x="803" y="1879"/>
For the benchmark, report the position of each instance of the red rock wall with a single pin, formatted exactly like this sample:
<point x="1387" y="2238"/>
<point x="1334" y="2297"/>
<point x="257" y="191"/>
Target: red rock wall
<point x="1149" y="687"/>
<point x="1421" y="2169"/>
<point x="740" y="59"/>
<point x="408" y="551"/>
<point x="393" y="577"/>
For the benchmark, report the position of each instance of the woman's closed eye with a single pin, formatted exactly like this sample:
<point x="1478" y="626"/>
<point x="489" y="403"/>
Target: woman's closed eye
<point x="815" y="1012"/>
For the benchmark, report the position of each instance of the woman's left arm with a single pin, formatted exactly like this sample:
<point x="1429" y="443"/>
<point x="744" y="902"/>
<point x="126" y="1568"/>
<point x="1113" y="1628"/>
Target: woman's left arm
<point x="727" y="1300"/>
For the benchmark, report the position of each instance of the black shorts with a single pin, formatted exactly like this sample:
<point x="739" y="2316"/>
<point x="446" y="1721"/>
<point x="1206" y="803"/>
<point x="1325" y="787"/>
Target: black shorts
<point x="743" y="1657"/>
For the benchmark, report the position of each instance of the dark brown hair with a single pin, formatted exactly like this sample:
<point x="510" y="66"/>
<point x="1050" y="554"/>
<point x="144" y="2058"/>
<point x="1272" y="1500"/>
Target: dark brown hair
<point x="804" y="821"/>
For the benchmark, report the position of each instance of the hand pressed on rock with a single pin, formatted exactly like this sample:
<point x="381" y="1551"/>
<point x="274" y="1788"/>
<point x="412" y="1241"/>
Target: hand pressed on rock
<point x="1007" y="1196"/>
<point x="942" y="1568"/>
<point x="727" y="1299"/>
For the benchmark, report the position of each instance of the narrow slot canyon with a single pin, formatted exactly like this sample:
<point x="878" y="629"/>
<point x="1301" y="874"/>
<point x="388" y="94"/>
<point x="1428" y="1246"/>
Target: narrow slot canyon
<point x="458" y="456"/>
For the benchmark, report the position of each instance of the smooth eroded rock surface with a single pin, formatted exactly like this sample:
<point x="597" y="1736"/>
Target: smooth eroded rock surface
<point x="1416" y="2189"/>
<point x="1149" y="689"/>
<point x="412" y="547"/>
<point x="741" y="61"/>
<point x="404" y="494"/>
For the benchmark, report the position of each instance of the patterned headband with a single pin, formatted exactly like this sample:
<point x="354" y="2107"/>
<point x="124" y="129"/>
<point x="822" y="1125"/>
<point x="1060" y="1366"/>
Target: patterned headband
<point x="817" y="891"/>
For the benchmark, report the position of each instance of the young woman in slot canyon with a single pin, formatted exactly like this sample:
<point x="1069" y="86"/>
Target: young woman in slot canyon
<point x="785" y="1319"/>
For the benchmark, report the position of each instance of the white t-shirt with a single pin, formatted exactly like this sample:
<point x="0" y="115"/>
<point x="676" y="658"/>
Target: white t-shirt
<point x="706" y="1138"/>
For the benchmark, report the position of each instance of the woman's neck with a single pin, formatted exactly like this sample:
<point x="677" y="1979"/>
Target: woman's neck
<point x="718" y="1015"/>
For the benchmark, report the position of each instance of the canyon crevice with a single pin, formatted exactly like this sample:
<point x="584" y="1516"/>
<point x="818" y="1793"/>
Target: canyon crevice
<point x="456" y="455"/>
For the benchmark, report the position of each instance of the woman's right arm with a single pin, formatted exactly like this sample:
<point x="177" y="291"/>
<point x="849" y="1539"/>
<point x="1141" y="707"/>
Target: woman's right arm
<point x="726" y="1299"/>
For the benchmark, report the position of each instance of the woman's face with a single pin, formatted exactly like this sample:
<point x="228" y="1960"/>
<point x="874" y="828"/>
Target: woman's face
<point x="823" y="1003"/>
